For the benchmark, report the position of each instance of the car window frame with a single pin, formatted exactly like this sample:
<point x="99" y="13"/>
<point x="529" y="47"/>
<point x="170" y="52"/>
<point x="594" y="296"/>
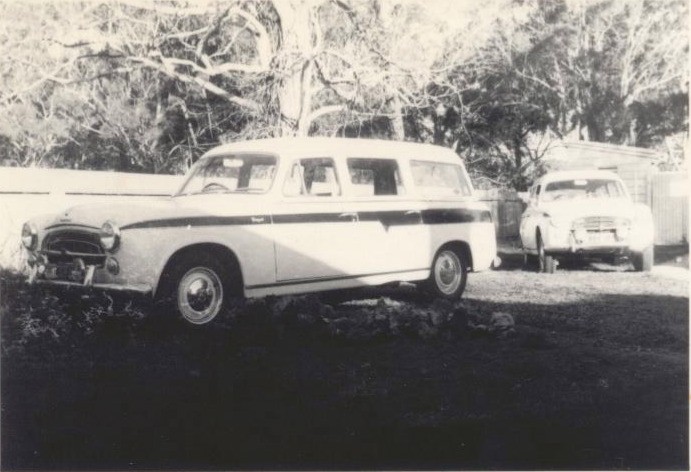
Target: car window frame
<point x="296" y="160"/>
<point x="351" y="187"/>
<point x="224" y="155"/>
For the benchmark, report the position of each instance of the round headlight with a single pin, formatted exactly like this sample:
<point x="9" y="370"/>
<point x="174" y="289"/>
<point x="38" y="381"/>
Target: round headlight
<point x="581" y="234"/>
<point x="29" y="236"/>
<point x="110" y="236"/>
<point x="560" y="221"/>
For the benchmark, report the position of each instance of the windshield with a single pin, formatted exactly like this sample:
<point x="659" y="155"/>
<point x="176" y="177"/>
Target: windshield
<point x="231" y="174"/>
<point x="582" y="188"/>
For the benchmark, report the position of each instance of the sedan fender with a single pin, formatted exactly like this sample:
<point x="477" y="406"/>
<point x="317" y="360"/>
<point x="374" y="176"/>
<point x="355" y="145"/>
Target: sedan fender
<point x="642" y="229"/>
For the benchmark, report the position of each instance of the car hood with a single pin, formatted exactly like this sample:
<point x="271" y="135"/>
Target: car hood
<point x="590" y="207"/>
<point x="128" y="213"/>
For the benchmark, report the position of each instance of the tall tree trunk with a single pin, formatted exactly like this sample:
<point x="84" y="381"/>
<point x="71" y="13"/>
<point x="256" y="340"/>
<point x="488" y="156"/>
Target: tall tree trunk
<point x="633" y="135"/>
<point x="397" y="120"/>
<point x="294" y="94"/>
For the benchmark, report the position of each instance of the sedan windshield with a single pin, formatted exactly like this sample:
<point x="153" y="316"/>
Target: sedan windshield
<point x="231" y="174"/>
<point x="582" y="188"/>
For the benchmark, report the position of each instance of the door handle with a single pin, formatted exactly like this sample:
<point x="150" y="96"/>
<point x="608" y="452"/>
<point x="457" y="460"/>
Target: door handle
<point x="413" y="212"/>
<point x="349" y="215"/>
<point x="257" y="219"/>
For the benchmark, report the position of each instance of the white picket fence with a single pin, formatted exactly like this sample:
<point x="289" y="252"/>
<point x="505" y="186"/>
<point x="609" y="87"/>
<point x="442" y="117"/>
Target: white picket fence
<point x="26" y="193"/>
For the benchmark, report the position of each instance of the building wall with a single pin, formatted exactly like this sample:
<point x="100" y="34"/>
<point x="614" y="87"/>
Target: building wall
<point x="633" y="165"/>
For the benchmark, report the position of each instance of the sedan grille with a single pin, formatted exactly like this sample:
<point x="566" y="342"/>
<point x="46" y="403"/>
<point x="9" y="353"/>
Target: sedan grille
<point x="597" y="223"/>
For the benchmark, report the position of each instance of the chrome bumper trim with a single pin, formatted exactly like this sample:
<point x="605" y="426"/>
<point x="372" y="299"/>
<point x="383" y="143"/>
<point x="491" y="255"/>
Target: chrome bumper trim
<point x="138" y="288"/>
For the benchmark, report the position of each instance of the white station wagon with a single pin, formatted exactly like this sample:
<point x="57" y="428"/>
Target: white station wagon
<point x="585" y="214"/>
<point x="274" y="217"/>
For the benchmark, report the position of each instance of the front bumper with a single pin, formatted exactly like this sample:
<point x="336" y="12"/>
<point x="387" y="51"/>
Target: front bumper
<point x="589" y="251"/>
<point x="568" y="242"/>
<point x="87" y="283"/>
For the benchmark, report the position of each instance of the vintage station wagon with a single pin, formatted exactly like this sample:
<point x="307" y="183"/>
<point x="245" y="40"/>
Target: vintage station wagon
<point x="274" y="217"/>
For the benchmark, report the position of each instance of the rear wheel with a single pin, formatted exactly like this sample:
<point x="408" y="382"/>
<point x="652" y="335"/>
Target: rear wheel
<point x="546" y="263"/>
<point x="197" y="288"/>
<point x="643" y="261"/>
<point x="449" y="274"/>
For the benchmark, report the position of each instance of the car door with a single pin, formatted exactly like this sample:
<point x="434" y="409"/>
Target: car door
<point x="389" y="229"/>
<point x="314" y="232"/>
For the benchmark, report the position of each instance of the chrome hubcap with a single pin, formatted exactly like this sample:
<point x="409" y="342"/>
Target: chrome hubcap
<point x="447" y="272"/>
<point x="200" y="295"/>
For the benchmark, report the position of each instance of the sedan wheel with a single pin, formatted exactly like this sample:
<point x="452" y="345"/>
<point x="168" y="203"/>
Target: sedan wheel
<point x="545" y="263"/>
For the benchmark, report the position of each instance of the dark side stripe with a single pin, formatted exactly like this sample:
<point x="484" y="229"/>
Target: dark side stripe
<point x="311" y="218"/>
<point x="10" y="192"/>
<point x="102" y="194"/>
<point x="455" y="215"/>
<point x="201" y="221"/>
<point x="386" y="218"/>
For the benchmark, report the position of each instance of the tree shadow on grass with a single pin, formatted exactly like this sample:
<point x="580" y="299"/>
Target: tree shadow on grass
<point x="601" y="384"/>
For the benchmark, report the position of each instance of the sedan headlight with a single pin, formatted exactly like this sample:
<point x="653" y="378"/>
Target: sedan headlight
<point x="622" y="228"/>
<point x="559" y="221"/>
<point x="110" y="236"/>
<point x="29" y="236"/>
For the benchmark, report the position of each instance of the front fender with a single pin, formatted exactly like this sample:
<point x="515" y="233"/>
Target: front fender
<point x="642" y="228"/>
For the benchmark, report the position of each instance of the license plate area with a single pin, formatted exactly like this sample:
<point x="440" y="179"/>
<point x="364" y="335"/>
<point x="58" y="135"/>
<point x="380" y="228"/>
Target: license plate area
<point x="76" y="272"/>
<point x="600" y="237"/>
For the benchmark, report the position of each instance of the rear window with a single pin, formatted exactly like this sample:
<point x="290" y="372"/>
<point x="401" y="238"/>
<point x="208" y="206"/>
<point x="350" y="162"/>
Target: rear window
<point x="437" y="179"/>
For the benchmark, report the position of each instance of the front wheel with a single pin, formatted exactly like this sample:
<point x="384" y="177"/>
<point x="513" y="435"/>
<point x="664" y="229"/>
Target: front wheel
<point x="643" y="261"/>
<point x="197" y="288"/>
<point x="545" y="263"/>
<point x="449" y="274"/>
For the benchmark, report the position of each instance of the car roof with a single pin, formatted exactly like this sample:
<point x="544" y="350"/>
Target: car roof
<point x="579" y="174"/>
<point x="357" y="147"/>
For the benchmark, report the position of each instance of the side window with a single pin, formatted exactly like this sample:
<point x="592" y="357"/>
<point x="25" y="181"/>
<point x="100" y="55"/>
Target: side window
<point x="375" y="177"/>
<point x="312" y="176"/>
<point x="439" y="179"/>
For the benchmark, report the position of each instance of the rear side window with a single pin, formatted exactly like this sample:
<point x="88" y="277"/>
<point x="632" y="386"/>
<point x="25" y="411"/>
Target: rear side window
<point x="437" y="179"/>
<point x="375" y="177"/>
<point x="313" y="176"/>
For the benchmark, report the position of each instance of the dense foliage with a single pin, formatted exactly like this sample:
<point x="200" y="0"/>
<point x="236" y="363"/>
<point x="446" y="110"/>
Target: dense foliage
<point x="134" y="85"/>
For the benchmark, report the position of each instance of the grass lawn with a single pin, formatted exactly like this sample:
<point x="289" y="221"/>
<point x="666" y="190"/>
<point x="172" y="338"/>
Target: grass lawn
<point x="595" y="376"/>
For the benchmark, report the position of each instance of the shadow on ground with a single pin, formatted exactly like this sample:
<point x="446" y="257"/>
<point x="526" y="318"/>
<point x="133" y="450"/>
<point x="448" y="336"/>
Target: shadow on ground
<point x="140" y="394"/>
<point x="672" y="255"/>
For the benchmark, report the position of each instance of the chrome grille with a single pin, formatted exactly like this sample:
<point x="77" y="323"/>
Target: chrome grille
<point x="65" y="246"/>
<point x="597" y="223"/>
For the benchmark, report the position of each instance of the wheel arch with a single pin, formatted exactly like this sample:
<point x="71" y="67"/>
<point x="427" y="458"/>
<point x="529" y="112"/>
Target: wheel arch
<point x="223" y="253"/>
<point x="461" y="246"/>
